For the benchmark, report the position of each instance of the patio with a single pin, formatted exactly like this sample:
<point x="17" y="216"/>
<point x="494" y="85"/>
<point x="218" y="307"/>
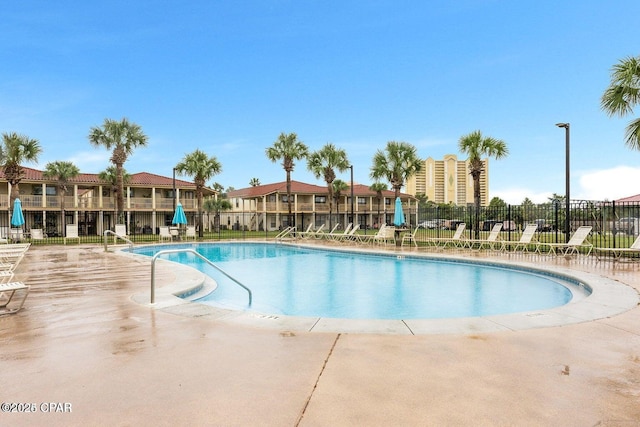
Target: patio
<point x="81" y="340"/>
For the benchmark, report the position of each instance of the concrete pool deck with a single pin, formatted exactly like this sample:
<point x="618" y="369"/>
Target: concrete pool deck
<point x="84" y="344"/>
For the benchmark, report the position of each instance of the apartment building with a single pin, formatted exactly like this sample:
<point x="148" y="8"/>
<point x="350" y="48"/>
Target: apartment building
<point x="265" y="207"/>
<point x="448" y="181"/>
<point x="90" y="203"/>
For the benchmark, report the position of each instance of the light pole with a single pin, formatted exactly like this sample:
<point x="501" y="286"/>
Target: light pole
<point x="352" y="218"/>
<point x="567" y="227"/>
<point x="174" y="191"/>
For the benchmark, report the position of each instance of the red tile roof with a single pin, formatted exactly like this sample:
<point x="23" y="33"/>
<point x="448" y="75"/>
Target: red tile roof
<point x="140" y="178"/>
<point x="298" y="187"/>
<point x="628" y="199"/>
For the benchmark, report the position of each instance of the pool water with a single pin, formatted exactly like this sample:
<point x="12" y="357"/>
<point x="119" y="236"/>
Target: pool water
<point x="298" y="281"/>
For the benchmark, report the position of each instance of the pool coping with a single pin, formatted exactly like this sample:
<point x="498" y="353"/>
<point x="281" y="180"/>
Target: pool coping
<point x="608" y="298"/>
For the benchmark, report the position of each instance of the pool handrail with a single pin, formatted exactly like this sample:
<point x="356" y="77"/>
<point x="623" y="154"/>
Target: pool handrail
<point x="199" y="255"/>
<point x="116" y="236"/>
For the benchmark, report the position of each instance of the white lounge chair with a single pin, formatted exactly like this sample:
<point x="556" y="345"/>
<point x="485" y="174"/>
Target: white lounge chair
<point x="334" y="235"/>
<point x="16" y="234"/>
<point x="577" y="241"/>
<point x="190" y="232"/>
<point x="350" y="236"/>
<point x="72" y="233"/>
<point x="384" y="235"/>
<point x="526" y="239"/>
<point x="492" y="240"/>
<point x="36" y="234"/>
<point x="617" y="253"/>
<point x="410" y="237"/>
<point x="164" y="234"/>
<point x="456" y="240"/>
<point x="7" y="292"/>
<point x="121" y="231"/>
<point x="309" y="232"/>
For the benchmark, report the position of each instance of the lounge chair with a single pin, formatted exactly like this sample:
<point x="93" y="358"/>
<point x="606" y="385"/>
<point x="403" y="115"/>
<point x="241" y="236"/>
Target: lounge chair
<point x="577" y="241"/>
<point x="383" y="236"/>
<point x="121" y="231"/>
<point x="36" y="234"/>
<point x="16" y="234"/>
<point x="72" y="233"/>
<point x="11" y="255"/>
<point x="491" y="241"/>
<point x="190" y="232"/>
<point x="334" y="236"/>
<point x="164" y="234"/>
<point x="617" y="253"/>
<point x="349" y="236"/>
<point x="526" y="239"/>
<point x="310" y="233"/>
<point x="410" y="237"/>
<point x="456" y="240"/>
<point x="7" y="292"/>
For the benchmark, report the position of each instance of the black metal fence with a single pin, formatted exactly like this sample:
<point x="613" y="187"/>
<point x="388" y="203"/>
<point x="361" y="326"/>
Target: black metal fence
<point x="613" y="224"/>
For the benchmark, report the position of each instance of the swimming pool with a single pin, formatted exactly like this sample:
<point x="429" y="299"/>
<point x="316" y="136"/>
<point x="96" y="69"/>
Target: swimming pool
<point x="309" y="282"/>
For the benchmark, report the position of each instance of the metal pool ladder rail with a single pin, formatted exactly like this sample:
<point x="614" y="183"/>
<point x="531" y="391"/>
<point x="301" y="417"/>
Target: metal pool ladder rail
<point x="193" y="251"/>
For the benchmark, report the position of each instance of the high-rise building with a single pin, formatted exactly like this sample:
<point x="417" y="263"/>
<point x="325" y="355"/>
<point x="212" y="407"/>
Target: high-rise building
<point x="448" y="181"/>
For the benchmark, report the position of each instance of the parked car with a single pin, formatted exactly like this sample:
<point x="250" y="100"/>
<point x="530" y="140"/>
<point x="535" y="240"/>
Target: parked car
<point x="543" y="225"/>
<point x="628" y="225"/>
<point x="451" y="224"/>
<point x="487" y="225"/>
<point x="431" y="223"/>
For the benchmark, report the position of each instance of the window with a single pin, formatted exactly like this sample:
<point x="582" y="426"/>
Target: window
<point x="284" y="198"/>
<point x="362" y="200"/>
<point x="387" y="201"/>
<point x="321" y="199"/>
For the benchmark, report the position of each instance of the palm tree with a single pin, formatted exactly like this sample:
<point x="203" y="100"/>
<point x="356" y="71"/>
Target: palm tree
<point x="122" y="137"/>
<point x="287" y="148"/>
<point x="476" y="146"/>
<point x="396" y="164"/>
<point x="109" y="175"/>
<point x="323" y="163"/>
<point x="338" y="187"/>
<point x="378" y="187"/>
<point x="62" y="172"/>
<point x="254" y="182"/>
<point x="216" y="205"/>
<point x="622" y="94"/>
<point x="15" y="150"/>
<point x="202" y="168"/>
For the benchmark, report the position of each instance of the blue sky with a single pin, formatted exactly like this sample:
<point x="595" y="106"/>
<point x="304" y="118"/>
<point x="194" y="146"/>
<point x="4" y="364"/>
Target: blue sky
<point x="228" y="77"/>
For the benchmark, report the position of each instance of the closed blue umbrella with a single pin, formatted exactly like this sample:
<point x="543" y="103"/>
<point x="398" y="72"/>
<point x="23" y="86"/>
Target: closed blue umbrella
<point x="17" y="218"/>
<point x="179" y="217"/>
<point x="398" y="214"/>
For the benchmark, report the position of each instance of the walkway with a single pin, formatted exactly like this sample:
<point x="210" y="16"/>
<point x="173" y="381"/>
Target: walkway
<point x="83" y="343"/>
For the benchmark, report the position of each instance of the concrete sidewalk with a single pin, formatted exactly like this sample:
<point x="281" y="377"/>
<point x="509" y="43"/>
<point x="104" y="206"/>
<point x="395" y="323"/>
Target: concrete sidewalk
<point x="82" y="343"/>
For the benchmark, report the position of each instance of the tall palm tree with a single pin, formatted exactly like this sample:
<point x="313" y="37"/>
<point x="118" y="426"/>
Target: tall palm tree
<point x="476" y="146"/>
<point x="338" y="187"/>
<point x="15" y="150"/>
<point x="378" y="187"/>
<point x="396" y="164"/>
<point x="62" y="172"/>
<point x="324" y="163"/>
<point x="254" y="182"/>
<point x="288" y="148"/>
<point x="122" y="137"/>
<point x="202" y="168"/>
<point x="623" y="94"/>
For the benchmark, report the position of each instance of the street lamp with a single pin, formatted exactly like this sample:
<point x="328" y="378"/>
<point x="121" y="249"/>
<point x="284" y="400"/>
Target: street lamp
<point x="567" y="227"/>
<point x="174" y="191"/>
<point x="352" y="218"/>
